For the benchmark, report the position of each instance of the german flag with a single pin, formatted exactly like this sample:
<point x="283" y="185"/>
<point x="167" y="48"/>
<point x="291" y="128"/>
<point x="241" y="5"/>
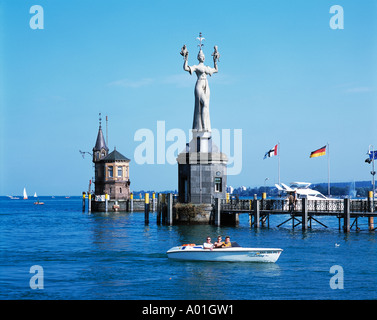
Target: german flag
<point x="318" y="153"/>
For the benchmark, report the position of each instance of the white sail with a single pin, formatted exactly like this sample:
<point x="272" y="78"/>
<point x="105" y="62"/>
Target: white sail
<point x="35" y="195"/>
<point x="25" y="194"/>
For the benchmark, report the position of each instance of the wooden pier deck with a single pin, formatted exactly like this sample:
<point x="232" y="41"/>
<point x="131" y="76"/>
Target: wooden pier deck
<point x="303" y="212"/>
<point x="223" y="211"/>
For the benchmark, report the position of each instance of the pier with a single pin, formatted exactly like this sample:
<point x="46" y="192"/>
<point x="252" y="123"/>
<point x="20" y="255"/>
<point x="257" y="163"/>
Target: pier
<point x="348" y="211"/>
<point x="226" y="211"/>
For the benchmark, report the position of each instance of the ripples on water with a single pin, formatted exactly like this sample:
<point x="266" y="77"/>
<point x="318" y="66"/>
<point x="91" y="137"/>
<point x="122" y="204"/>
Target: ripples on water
<point x="115" y="256"/>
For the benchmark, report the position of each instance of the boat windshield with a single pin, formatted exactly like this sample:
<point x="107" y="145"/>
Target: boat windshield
<point x="235" y="244"/>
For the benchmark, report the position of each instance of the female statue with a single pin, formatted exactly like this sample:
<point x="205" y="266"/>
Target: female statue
<point x="201" y="113"/>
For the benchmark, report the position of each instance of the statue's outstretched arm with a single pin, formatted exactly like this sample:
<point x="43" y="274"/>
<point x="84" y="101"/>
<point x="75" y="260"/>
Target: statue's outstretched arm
<point x="216" y="56"/>
<point x="186" y="66"/>
<point x="184" y="53"/>
<point x="215" y="69"/>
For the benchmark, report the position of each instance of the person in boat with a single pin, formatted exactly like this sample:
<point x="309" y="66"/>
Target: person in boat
<point x="227" y="243"/>
<point x="219" y="243"/>
<point x="208" y="244"/>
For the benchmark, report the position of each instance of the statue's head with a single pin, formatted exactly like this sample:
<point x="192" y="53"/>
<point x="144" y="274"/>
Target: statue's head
<point x="201" y="56"/>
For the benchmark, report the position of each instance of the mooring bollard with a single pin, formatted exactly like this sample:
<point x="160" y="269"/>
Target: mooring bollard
<point x="146" y="208"/>
<point x="83" y="202"/>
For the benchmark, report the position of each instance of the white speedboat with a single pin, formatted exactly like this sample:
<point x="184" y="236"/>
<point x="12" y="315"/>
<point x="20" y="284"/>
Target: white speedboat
<point x="230" y="254"/>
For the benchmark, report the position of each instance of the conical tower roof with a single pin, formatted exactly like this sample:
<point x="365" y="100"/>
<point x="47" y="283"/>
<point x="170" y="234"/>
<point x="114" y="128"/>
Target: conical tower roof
<point x="100" y="143"/>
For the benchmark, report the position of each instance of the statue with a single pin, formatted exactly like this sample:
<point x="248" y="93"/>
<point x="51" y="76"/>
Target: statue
<point x="201" y="113"/>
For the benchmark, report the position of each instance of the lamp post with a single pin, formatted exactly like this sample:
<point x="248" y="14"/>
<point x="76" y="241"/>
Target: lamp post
<point x="265" y="185"/>
<point x="369" y="160"/>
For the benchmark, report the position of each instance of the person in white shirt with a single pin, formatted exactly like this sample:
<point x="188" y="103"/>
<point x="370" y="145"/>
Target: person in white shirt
<point x="208" y="244"/>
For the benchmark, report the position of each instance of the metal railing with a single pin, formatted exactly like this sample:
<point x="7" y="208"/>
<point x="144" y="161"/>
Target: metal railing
<point x="282" y="205"/>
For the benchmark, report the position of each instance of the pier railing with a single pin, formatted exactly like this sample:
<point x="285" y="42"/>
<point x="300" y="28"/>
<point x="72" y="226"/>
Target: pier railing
<point x="281" y="205"/>
<point x="303" y="211"/>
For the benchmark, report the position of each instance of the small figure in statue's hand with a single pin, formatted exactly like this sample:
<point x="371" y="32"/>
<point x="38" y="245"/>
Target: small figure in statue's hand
<point x="216" y="54"/>
<point x="184" y="52"/>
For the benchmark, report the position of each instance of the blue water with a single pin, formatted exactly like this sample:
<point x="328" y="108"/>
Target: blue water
<point x="115" y="256"/>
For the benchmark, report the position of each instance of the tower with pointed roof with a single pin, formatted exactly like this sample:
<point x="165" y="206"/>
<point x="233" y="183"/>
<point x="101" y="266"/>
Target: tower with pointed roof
<point x="112" y="174"/>
<point x="100" y="150"/>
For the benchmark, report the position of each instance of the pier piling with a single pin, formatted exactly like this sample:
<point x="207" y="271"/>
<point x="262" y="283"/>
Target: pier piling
<point x="89" y="202"/>
<point x="304" y="214"/>
<point x="106" y="202"/>
<point x="163" y="208"/>
<point x="256" y="213"/>
<point x="146" y="208"/>
<point x="159" y="210"/>
<point x="170" y="210"/>
<point x="371" y="209"/>
<point x="217" y="212"/>
<point x="153" y="202"/>
<point x="347" y="215"/>
<point x="83" y="201"/>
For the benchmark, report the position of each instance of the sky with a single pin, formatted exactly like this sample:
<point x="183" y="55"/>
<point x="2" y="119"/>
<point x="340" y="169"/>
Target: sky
<point x="284" y="76"/>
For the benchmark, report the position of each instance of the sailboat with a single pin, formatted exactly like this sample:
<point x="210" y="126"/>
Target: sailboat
<point x="35" y="195"/>
<point x="25" y="194"/>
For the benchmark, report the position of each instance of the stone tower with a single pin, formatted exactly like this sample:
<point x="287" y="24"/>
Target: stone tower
<point x="112" y="175"/>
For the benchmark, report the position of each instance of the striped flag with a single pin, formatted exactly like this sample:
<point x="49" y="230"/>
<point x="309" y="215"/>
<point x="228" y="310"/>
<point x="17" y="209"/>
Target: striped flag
<point x="372" y="156"/>
<point x="272" y="152"/>
<point x="318" y="152"/>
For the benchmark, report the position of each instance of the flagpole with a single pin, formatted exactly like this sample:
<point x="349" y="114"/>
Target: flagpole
<point x="372" y="172"/>
<point x="328" y="169"/>
<point x="279" y="162"/>
<point x="279" y="167"/>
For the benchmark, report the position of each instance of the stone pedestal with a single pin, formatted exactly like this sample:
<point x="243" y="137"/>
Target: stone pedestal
<point x="201" y="171"/>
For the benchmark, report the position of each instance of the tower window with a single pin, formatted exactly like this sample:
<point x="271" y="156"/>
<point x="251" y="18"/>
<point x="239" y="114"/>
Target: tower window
<point x="110" y="171"/>
<point x="120" y="171"/>
<point x="218" y="184"/>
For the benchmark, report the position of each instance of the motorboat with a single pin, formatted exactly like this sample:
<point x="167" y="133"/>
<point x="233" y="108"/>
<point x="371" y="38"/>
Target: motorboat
<point x="13" y="198"/>
<point x="235" y="253"/>
<point x="302" y="190"/>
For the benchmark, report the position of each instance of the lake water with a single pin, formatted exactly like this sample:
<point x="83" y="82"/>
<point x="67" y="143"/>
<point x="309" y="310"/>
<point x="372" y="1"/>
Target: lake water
<point x="115" y="256"/>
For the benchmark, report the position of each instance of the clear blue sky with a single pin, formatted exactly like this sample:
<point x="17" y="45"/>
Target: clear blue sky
<point x="284" y="75"/>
